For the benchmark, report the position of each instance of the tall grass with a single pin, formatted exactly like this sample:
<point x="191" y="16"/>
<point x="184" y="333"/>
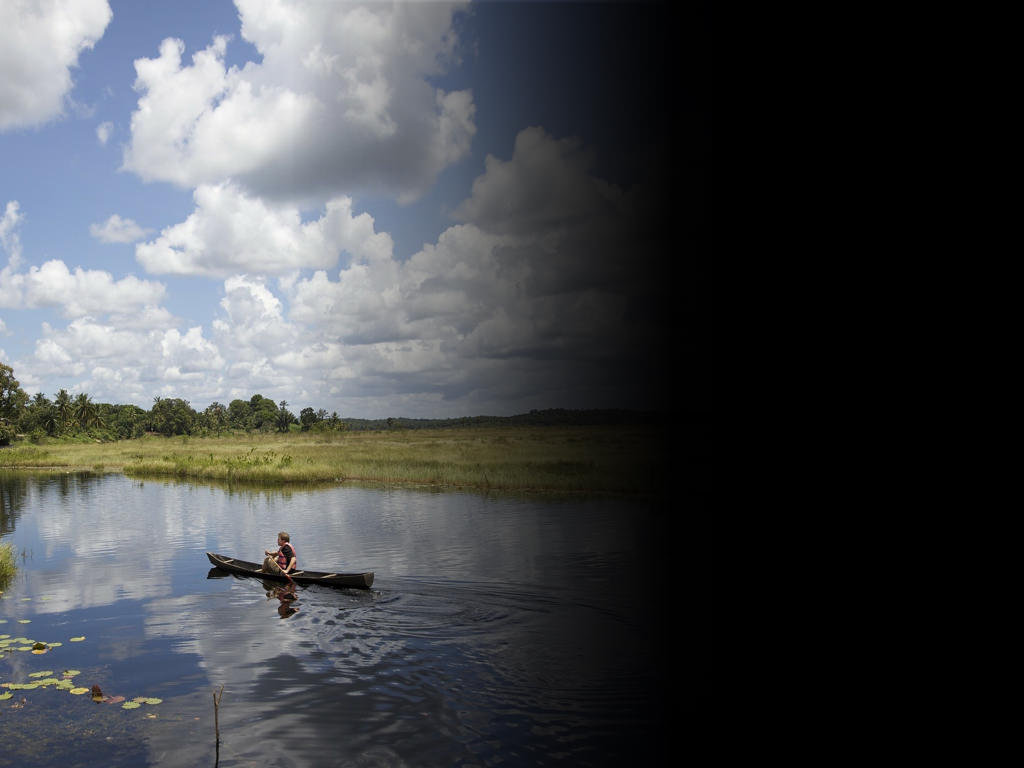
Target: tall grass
<point x="7" y="567"/>
<point x="576" y="459"/>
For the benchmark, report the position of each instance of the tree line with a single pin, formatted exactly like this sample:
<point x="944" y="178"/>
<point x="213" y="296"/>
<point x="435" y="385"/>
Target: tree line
<point x="65" y="415"/>
<point x="38" y="417"/>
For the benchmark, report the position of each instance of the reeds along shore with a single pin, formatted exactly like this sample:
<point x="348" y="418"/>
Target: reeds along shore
<point x="7" y="564"/>
<point x="600" y="459"/>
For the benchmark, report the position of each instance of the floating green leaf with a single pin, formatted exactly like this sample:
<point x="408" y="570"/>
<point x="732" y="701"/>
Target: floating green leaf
<point x="24" y="621"/>
<point x="5" y="696"/>
<point x="77" y="639"/>
<point x="44" y="673"/>
<point x="147" y="700"/>
<point x="79" y="691"/>
<point x="131" y="705"/>
<point x="71" y="672"/>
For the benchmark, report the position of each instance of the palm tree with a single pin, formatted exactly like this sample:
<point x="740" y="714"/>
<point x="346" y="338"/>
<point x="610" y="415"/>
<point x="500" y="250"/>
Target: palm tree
<point x="49" y="421"/>
<point x="65" y="410"/>
<point x="85" y="411"/>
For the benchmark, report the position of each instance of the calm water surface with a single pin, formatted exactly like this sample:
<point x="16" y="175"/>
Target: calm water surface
<point x="499" y="630"/>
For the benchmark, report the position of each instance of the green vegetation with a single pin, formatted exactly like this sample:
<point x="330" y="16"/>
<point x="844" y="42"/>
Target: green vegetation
<point x="258" y="441"/>
<point x="7" y="566"/>
<point x="626" y="459"/>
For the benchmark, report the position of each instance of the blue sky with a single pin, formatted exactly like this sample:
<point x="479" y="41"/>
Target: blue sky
<point x="380" y="209"/>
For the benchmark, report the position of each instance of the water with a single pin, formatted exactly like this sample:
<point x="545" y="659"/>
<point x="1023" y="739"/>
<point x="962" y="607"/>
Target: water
<point x="499" y="630"/>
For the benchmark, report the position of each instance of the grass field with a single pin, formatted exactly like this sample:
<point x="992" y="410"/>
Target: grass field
<point x="589" y="459"/>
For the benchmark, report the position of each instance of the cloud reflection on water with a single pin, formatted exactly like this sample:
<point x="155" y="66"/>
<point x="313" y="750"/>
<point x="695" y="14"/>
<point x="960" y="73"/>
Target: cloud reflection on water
<point x="495" y="623"/>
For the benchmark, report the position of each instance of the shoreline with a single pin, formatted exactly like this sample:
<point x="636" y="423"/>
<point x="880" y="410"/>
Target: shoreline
<point x="599" y="460"/>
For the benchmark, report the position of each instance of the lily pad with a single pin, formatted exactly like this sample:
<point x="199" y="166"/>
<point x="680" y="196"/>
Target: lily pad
<point x="76" y="639"/>
<point x="147" y="700"/>
<point x="131" y="705"/>
<point x="5" y="696"/>
<point x="44" y="673"/>
<point x="79" y="691"/>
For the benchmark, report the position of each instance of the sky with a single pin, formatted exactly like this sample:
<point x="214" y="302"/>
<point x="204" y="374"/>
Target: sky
<point x="416" y="209"/>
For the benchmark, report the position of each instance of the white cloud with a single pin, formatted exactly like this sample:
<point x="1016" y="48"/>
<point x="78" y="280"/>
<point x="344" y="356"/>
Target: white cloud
<point x="340" y="103"/>
<point x="118" y="230"/>
<point x="252" y="326"/>
<point x="103" y="131"/>
<point x="39" y="45"/>
<point x="121" y="363"/>
<point x="10" y="280"/>
<point x="9" y="239"/>
<point x="231" y="232"/>
<point x="87" y="291"/>
<point x="77" y="293"/>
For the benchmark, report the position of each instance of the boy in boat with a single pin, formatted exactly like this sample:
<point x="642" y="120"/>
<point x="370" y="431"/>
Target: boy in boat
<point x="283" y="560"/>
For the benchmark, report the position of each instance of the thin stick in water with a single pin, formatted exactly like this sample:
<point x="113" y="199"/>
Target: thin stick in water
<point x="216" y="722"/>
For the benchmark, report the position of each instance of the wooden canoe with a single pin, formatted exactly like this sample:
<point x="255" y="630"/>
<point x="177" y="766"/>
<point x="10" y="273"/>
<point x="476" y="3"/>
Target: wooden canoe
<point x="330" y="578"/>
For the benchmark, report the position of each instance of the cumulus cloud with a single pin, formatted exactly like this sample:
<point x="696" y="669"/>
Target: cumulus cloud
<point x="339" y="103"/>
<point x="86" y="291"/>
<point x="231" y="232"/>
<point x="118" y="230"/>
<point x="75" y="293"/>
<point x="512" y="300"/>
<point x="545" y="185"/>
<point x="39" y="45"/>
<point x="508" y="309"/>
<point x="122" y="363"/>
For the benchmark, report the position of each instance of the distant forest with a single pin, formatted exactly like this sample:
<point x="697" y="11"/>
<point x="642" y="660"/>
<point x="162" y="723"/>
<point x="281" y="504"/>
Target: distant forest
<point x="65" y="416"/>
